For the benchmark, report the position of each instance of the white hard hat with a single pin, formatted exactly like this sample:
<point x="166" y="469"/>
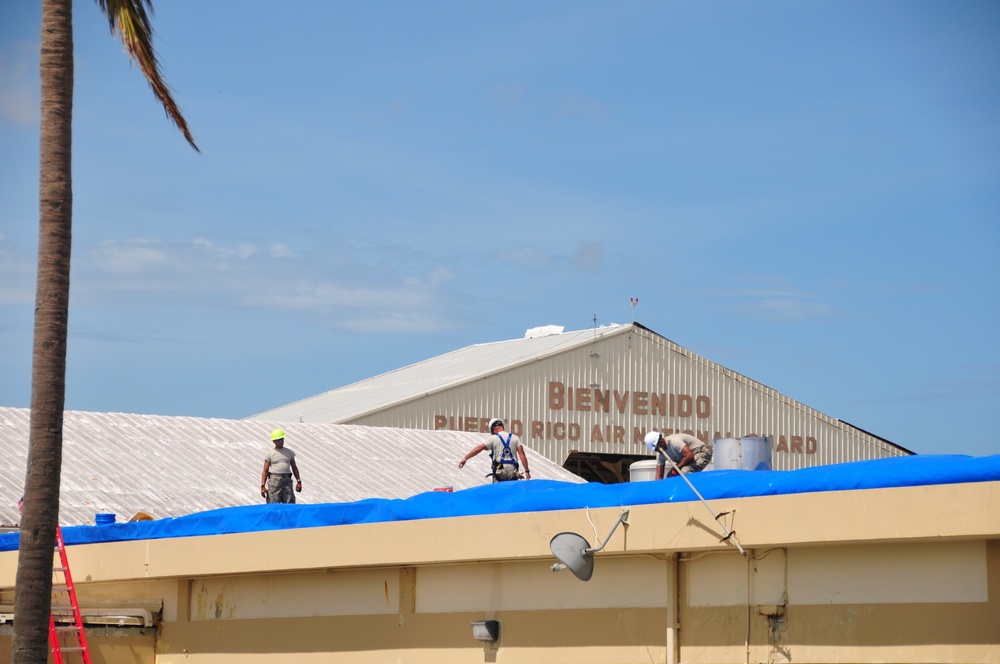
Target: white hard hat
<point x="651" y="439"/>
<point x="495" y="421"/>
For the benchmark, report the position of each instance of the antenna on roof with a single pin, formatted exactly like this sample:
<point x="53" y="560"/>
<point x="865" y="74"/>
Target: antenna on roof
<point x="634" y="301"/>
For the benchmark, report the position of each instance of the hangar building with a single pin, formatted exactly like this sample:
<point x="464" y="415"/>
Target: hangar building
<point x="585" y="399"/>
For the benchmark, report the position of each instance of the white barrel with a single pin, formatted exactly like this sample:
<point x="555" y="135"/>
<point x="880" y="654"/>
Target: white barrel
<point x="642" y="471"/>
<point x="747" y="453"/>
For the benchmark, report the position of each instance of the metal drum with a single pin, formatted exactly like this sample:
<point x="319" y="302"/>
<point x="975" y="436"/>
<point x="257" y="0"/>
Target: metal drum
<point x="747" y="453"/>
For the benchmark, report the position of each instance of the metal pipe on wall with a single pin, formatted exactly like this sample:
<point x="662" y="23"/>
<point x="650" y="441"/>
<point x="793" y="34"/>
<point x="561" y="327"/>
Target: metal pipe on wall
<point x="673" y="602"/>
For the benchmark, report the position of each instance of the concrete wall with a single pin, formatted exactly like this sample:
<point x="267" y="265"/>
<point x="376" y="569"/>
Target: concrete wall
<point x="894" y="575"/>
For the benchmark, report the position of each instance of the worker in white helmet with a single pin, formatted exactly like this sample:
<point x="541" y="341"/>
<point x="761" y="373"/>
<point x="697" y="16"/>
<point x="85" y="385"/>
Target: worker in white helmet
<point x="504" y="449"/>
<point x="279" y="466"/>
<point x="688" y="453"/>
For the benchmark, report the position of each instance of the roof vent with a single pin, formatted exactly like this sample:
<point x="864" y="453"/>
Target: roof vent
<point x="543" y="331"/>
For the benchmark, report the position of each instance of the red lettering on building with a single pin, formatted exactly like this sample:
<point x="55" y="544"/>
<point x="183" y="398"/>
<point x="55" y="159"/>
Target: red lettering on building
<point x="684" y="405"/>
<point x="595" y="434"/>
<point x="658" y="404"/>
<point x="639" y="403"/>
<point x="602" y="401"/>
<point x="703" y="407"/>
<point x="556" y="395"/>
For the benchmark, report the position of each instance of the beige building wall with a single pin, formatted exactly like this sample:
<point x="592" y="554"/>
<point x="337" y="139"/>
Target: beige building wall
<point x="603" y="396"/>
<point x="892" y="575"/>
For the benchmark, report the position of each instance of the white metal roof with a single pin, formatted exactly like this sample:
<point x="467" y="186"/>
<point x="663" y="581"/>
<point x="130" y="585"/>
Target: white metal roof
<point x="170" y="466"/>
<point x="464" y="365"/>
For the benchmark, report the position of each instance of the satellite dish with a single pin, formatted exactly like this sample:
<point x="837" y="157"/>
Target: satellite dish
<point x="574" y="552"/>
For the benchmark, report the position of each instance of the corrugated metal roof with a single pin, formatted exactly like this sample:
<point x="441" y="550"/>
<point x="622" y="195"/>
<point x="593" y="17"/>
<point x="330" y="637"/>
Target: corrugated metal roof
<point x="170" y="466"/>
<point x="439" y="373"/>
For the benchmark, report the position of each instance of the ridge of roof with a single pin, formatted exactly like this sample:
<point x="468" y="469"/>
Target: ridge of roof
<point x="408" y="383"/>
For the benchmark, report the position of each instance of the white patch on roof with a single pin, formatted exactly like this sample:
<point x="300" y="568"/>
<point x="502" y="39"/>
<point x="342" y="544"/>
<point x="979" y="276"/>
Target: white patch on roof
<point x="543" y="331"/>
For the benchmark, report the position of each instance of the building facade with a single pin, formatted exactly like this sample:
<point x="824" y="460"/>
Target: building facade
<point x="823" y="580"/>
<point x="593" y="393"/>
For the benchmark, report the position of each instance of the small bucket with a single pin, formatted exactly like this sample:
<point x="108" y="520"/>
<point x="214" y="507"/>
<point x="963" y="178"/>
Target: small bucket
<point x="642" y="471"/>
<point x="104" y="519"/>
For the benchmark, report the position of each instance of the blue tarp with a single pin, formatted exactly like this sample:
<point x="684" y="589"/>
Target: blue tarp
<point x="547" y="495"/>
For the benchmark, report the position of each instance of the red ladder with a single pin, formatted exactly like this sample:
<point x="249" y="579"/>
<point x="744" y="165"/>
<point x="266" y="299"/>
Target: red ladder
<point x="66" y="635"/>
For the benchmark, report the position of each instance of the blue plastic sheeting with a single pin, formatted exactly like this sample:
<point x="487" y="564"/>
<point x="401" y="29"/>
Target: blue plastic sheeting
<point x="548" y="495"/>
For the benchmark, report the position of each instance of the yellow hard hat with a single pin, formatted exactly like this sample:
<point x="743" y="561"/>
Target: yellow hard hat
<point x="277" y="434"/>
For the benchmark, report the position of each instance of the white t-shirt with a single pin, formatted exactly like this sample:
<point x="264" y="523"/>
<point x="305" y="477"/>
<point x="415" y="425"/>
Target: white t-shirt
<point x="281" y="461"/>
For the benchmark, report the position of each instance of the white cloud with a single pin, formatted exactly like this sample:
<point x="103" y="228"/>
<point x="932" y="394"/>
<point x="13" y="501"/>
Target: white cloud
<point x="508" y="96"/>
<point x="439" y="275"/>
<point x="206" y="274"/>
<point x="528" y="257"/>
<point x="17" y="274"/>
<point x="19" y="87"/>
<point x="134" y="257"/>
<point x="786" y="310"/>
<point x="589" y="256"/>
<point x="579" y="104"/>
<point x="770" y="297"/>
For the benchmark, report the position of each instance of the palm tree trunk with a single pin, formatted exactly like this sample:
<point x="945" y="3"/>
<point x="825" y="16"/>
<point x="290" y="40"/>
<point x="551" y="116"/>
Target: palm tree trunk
<point x="33" y="590"/>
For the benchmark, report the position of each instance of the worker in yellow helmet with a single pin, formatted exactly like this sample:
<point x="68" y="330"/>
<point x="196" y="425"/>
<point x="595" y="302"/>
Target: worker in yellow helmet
<point x="279" y="466"/>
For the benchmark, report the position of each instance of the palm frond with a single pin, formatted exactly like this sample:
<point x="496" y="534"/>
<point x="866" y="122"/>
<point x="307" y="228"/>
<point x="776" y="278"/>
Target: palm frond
<point x="129" y="20"/>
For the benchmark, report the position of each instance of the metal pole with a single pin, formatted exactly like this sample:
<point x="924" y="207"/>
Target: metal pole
<point x="622" y="518"/>
<point x="729" y="533"/>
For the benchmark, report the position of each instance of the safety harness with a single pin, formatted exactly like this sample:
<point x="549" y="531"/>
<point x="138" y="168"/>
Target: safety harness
<point x="506" y="458"/>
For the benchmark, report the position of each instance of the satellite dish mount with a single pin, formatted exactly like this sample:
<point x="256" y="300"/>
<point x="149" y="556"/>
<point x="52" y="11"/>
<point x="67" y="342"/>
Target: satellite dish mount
<point x="575" y="553"/>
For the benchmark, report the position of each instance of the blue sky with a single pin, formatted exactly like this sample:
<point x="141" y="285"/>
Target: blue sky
<point x="807" y="193"/>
